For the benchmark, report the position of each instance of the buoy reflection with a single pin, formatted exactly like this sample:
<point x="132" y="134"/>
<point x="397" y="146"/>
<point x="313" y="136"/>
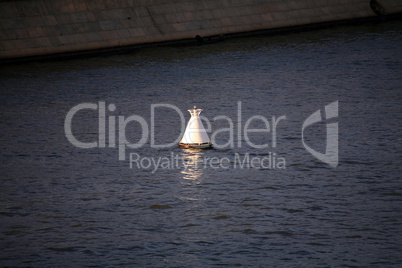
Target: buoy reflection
<point x="194" y="169"/>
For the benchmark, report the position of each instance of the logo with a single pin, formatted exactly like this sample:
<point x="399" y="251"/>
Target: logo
<point x="331" y="152"/>
<point x="257" y="132"/>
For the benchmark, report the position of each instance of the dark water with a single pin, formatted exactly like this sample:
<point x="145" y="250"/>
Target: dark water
<point x="61" y="205"/>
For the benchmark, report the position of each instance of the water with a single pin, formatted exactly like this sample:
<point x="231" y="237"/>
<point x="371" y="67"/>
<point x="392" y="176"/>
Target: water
<point x="67" y="206"/>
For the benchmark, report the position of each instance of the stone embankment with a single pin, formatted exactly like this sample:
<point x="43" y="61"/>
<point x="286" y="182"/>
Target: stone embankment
<point x="46" y="27"/>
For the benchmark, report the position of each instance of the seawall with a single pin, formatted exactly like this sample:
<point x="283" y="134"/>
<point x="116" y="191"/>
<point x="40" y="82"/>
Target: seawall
<point x="44" y="27"/>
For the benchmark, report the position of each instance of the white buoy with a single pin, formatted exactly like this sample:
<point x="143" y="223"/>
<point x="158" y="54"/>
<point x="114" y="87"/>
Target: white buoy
<point x="195" y="135"/>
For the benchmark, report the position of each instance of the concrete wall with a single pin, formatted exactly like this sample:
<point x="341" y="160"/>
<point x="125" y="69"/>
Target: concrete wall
<point x="42" y="27"/>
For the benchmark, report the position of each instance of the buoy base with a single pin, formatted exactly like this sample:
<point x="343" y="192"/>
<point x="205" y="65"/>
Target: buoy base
<point x="204" y="145"/>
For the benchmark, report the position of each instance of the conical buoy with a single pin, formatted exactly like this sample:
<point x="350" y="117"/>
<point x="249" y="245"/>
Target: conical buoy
<point x="195" y="135"/>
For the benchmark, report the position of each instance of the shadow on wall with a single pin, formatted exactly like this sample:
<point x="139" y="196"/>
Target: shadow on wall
<point x="377" y="8"/>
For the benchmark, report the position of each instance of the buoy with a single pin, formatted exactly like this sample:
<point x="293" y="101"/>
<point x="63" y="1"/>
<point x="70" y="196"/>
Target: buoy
<point x="195" y="135"/>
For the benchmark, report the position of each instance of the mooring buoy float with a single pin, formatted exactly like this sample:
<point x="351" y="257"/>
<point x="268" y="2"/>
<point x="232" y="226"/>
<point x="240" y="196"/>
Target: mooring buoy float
<point x="195" y="135"/>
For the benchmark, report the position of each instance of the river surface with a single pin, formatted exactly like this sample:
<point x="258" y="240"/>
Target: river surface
<point x="258" y="199"/>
